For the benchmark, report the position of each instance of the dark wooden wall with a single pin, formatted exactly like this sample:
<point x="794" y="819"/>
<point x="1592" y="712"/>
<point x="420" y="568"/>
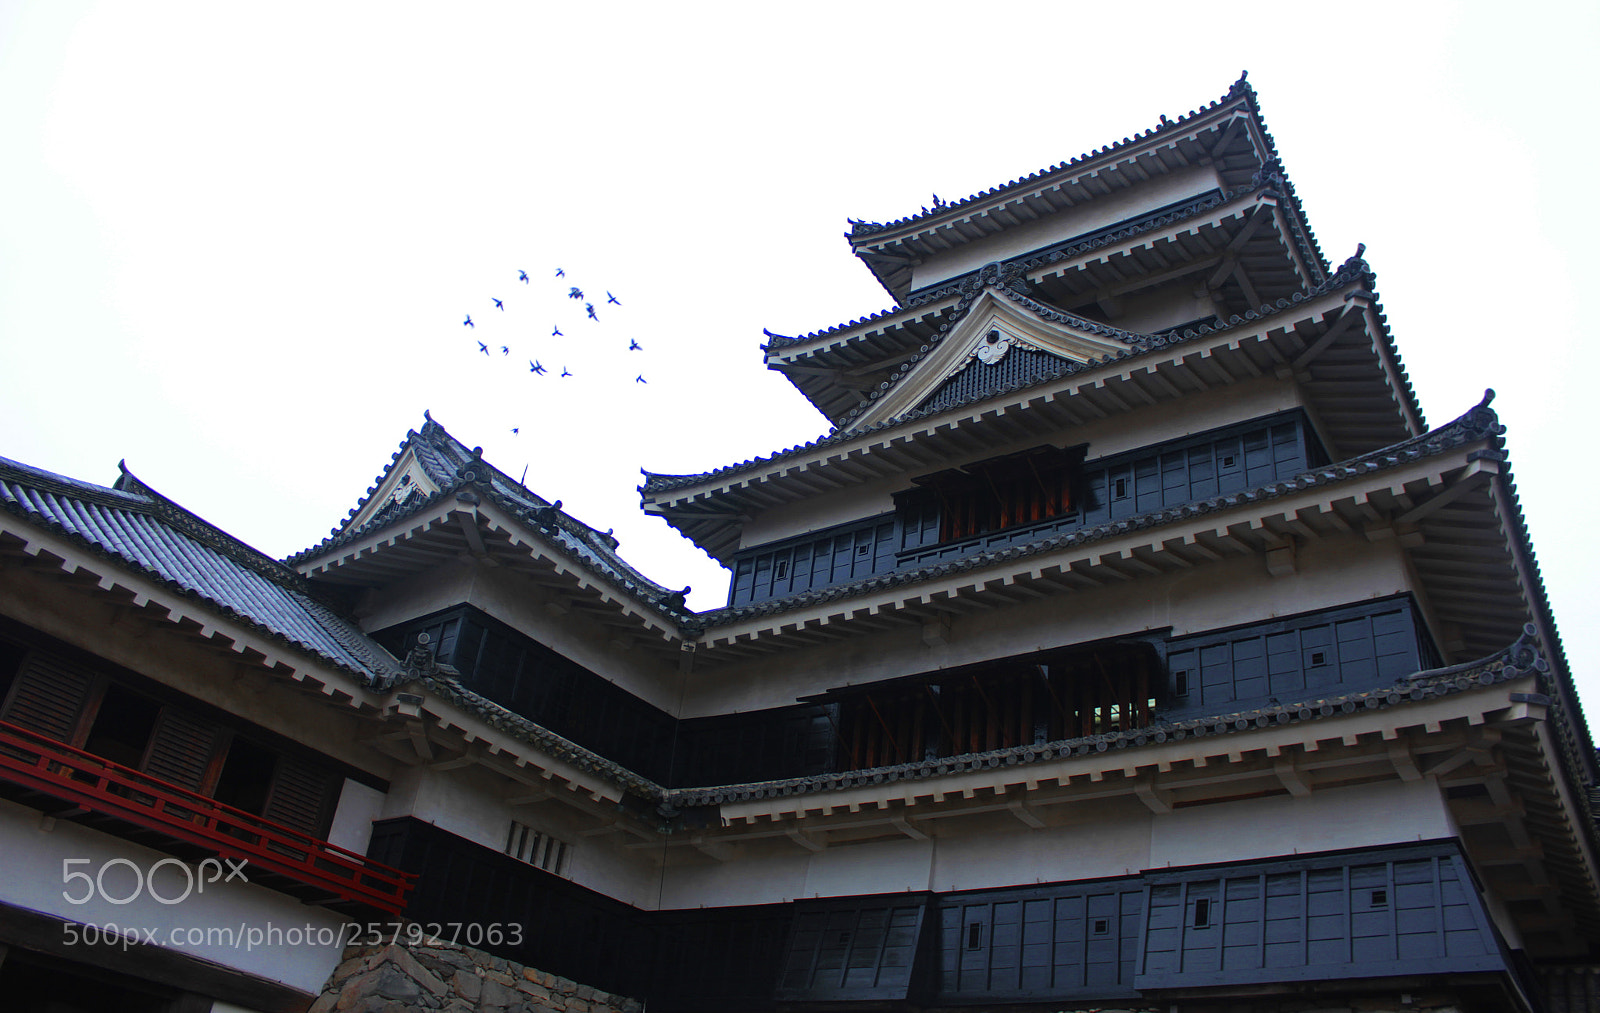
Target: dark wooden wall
<point x="921" y="530"/>
<point x="1406" y="910"/>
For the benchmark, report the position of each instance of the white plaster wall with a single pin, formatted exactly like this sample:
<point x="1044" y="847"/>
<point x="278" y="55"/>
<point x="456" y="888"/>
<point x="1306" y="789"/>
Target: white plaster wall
<point x="1075" y="221"/>
<point x="358" y="806"/>
<point x="471" y="803"/>
<point x="1155" y="309"/>
<point x="877" y="867"/>
<point x="1109" y="839"/>
<point x="1391" y="812"/>
<point x="1116" y="837"/>
<point x="218" y="1006"/>
<point x="33" y="879"/>
<point x="778" y="872"/>
<point x="1225" y="593"/>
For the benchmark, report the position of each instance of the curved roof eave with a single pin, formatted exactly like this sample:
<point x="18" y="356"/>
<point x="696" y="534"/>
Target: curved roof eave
<point x="864" y="232"/>
<point x="1479" y="423"/>
<point x="262" y="595"/>
<point x="1354" y="274"/>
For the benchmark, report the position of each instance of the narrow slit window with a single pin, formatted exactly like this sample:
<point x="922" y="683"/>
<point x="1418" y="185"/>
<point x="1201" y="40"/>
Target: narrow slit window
<point x="1202" y="913"/>
<point x="537" y="848"/>
<point x="974" y="935"/>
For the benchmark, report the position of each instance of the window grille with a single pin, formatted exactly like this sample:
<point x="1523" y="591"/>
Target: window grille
<point x="537" y="848"/>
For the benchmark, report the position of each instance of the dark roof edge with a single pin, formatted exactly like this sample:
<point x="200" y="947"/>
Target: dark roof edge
<point x="546" y="518"/>
<point x="1054" y="253"/>
<point x="860" y="228"/>
<point x="1478" y="423"/>
<point x="330" y="622"/>
<point x="1354" y="270"/>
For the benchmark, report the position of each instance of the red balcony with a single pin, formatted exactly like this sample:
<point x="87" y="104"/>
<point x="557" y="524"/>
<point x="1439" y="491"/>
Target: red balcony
<point x="137" y="805"/>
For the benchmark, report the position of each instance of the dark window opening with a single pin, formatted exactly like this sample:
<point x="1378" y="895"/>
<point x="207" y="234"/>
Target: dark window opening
<point x="1006" y="492"/>
<point x="783" y="568"/>
<point x="246" y="777"/>
<point x="10" y="663"/>
<point x="122" y="728"/>
<point x="1101" y="926"/>
<point x="1380" y="898"/>
<point x="1202" y="913"/>
<point x="1122" y="488"/>
<point x="1180" y="683"/>
<point x="1066" y="694"/>
<point x="1319" y="658"/>
<point x="974" y="935"/>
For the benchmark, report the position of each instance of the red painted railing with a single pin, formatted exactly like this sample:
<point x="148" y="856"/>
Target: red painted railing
<point x="100" y="786"/>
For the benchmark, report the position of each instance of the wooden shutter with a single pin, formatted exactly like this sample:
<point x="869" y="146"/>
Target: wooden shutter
<point x="300" y="795"/>
<point x="50" y="696"/>
<point x="181" y="749"/>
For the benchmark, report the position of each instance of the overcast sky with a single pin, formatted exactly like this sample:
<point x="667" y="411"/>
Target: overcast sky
<point x="238" y="241"/>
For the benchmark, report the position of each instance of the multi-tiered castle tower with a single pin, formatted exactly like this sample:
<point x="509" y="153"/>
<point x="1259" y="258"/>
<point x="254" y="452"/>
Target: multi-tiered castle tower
<point x="1130" y="641"/>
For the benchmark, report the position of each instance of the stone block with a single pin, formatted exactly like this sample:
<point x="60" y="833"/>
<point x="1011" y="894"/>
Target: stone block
<point x="467" y="985"/>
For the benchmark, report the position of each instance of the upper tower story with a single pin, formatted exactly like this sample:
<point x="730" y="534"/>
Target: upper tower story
<point x="1191" y="222"/>
<point x="1161" y="296"/>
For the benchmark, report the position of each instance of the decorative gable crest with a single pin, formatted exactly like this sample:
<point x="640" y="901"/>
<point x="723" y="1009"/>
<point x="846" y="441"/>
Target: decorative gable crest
<point x="1001" y="334"/>
<point x="406" y="482"/>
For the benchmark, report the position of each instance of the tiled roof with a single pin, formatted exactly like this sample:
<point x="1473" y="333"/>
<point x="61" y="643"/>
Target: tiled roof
<point x="454" y="467"/>
<point x="1477" y="424"/>
<point x="151" y="535"/>
<point x="1049" y="255"/>
<point x="1240" y="90"/>
<point x="1352" y="271"/>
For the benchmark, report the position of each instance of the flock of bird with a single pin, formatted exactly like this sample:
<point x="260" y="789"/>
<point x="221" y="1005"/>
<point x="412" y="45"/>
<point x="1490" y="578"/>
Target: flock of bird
<point x="575" y="294"/>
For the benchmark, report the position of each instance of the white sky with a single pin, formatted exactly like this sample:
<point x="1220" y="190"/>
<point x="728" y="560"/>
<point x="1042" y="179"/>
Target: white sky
<point x="237" y="241"/>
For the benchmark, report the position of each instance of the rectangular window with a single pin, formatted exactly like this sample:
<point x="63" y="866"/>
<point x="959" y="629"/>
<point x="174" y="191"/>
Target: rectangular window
<point x="537" y="848"/>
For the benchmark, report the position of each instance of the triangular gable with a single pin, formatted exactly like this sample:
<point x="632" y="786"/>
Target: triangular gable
<point x="993" y="327"/>
<point x="1019" y="365"/>
<point x="406" y="481"/>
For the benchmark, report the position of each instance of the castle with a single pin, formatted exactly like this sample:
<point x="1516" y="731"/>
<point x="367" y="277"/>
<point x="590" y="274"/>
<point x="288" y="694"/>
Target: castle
<point x="1129" y="641"/>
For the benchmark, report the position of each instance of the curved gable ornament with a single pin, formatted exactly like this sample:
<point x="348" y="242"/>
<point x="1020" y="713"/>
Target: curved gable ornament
<point x="992" y="325"/>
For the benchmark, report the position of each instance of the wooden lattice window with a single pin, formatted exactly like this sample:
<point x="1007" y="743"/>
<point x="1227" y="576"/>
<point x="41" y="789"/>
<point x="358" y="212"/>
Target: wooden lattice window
<point x="82" y="705"/>
<point x="1006" y="492"/>
<point x="1061" y="695"/>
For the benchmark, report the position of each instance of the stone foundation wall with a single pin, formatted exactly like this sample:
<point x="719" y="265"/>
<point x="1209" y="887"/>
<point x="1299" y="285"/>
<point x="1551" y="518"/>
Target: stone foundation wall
<point x="399" y="978"/>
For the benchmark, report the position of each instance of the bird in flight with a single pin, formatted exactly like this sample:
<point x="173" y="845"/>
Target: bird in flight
<point x="612" y="299"/>
<point x="560" y="273"/>
<point x="483" y="348"/>
<point x="556" y="332"/>
<point x="468" y="322"/>
<point x="590" y="307"/>
<point x="522" y="276"/>
<point x="505" y="350"/>
<point x="499" y="305"/>
<point x="575" y="293"/>
<point x="534" y="367"/>
<point x="634" y="346"/>
<point x="639" y="378"/>
<point x="564" y="371"/>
